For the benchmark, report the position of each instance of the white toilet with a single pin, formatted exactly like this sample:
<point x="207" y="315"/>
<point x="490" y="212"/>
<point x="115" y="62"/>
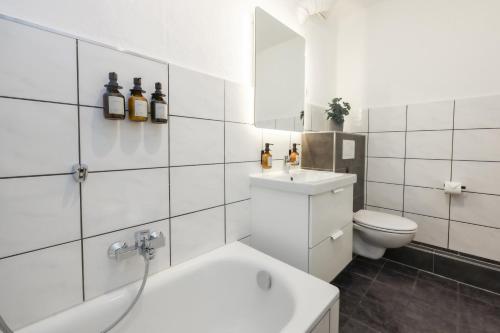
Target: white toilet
<point x="374" y="232"/>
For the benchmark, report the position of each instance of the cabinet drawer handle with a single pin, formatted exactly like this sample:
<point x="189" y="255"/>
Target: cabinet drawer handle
<point x="337" y="234"/>
<point x="338" y="190"/>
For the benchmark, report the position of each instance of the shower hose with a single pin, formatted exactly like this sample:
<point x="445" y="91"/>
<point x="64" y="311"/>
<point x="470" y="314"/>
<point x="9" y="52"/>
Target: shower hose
<point x="6" y="329"/>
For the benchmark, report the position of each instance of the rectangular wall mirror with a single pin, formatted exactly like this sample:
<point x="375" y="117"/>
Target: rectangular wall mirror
<point x="279" y="74"/>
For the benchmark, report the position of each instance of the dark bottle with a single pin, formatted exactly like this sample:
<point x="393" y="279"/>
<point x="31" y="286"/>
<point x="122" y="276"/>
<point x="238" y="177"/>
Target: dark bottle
<point x="159" y="107"/>
<point x="113" y="101"/>
<point x="137" y="104"/>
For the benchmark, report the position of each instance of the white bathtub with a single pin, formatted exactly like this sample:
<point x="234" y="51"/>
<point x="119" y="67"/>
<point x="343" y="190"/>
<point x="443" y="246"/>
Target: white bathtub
<point x="214" y="293"/>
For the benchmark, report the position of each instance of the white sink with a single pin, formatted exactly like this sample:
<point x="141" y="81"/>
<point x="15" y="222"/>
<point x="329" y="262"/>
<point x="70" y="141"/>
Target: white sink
<point x="302" y="181"/>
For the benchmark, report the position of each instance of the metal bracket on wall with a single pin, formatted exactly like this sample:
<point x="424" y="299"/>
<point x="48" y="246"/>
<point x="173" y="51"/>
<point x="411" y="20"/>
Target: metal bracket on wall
<point x="80" y="172"/>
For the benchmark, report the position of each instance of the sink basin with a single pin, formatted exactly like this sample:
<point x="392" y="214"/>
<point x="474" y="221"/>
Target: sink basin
<point x="302" y="181"/>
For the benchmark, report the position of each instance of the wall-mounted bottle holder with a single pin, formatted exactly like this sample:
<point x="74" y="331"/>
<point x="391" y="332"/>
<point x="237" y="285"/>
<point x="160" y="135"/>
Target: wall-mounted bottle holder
<point x="80" y="172"/>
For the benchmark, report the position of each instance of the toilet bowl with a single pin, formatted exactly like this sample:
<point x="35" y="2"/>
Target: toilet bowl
<point x="374" y="232"/>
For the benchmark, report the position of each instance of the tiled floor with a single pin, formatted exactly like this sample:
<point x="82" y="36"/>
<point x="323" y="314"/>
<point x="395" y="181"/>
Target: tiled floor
<point x="384" y="296"/>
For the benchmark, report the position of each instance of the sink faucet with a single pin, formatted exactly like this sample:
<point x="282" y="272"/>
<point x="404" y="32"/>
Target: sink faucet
<point x="287" y="164"/>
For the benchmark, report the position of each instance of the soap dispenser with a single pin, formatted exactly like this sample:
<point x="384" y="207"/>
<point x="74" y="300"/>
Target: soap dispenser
<point x="137" y="104"/>
<point x="159" y="106"/>
<point x="266" y="158"/>
<point x="113" y="101"/>
<point x="294" y="154"/>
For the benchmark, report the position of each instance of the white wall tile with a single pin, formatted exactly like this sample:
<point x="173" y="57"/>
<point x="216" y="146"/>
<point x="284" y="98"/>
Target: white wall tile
<point x="357" y="122"/>
<point x="430" y="230"/>
<point x="430" y="116"/>
<point x="195" y="94"/>
<point x="481" y="177"/>
<point x="389" y="170"/>
<point x="426" y="201"/>
<point x="196" y="187"/>
<point x="120" y="199"/>
<point x="429" y="144"/>
<point x="41" y="283"/>
<point x="37" y="64"/>
<point x="296" y="137"/>
<point x="280" y="141"/>
<point x="238" y="180"/>
<point x="479" y="112"/>
<point x="386" y="144"/>
<point x="37" y="212"/>
<point x="384" y="210"/>
<point x="243" y="142"/>
<point x="115" y="145"/>
<point x="103" y="274"/>
<point x="196" y="141"/>
<point x="388" y="118"/>
<point x="475" y="240"/>
<point x="384" y="195"/>
<point x="429" y="173"/>
<point x="478" y="145"/>
<point x="246" y="240"/>
<point x="97" y="61"/>
<point x="476" y="208"/>
<point x="239" y="103"/>
<point x="318" y="117"/>
<point x="37" y="138"/>
<point x="238" y="218"/>
<point x="197" y="233"/>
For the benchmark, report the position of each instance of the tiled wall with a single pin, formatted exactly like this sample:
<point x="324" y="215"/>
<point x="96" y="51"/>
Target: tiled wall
<point x="414" y="149"/>
<point x="188" y="179"/>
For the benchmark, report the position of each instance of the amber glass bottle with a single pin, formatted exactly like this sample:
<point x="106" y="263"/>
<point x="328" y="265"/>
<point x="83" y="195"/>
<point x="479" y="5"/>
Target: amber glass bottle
<point x="266" y="158"/>
<point x="294" y="154"/>
<point x="137" y="104"/>
<point x="113" y="101"/>
<point x="159" y="107"/>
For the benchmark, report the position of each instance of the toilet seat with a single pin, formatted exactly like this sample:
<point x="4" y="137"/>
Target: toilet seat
<point x="384" y="222"/>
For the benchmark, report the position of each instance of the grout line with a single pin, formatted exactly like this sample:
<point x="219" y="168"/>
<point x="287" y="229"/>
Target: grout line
<point x="131" y="169"/>
<point x="194" y="165"/>
<point x="80" y="161"/>
<point x="224" y="172"/>
<point x="197" y="211"/>
<point x="169" y="172"/>
<point x="366" y="157"/>
<point x="40" y="249"/>
<point x="39" y="100"/>
<point x="404" y="161"/>
<point x="451" y="174"/>
<point x="197" y="118"/>
<point x="124" y="228"/>
<point x="237" y="201"/>
<point x="41" y="175"/>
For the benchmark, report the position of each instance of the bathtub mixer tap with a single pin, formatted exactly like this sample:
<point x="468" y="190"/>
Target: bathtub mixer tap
<point x="146" y="243"/>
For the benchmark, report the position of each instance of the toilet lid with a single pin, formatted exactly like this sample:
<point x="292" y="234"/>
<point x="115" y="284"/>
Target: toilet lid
<point x="384" y="221"/>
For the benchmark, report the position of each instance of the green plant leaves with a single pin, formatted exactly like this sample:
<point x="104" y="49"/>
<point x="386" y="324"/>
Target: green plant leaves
<point x="337" y="110"/>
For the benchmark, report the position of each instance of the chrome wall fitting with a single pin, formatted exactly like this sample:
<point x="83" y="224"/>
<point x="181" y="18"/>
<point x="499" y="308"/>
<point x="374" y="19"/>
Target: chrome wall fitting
<point x="146" y="243"/>
<point x="80" y="172"/>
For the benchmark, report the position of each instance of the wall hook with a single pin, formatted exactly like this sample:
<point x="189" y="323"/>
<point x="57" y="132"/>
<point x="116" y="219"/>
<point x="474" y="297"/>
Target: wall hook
<point x="80" y="172"/>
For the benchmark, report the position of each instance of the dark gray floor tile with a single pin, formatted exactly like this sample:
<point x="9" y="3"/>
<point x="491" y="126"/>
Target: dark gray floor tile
<point x="379" y="262"/>
<point x="363" y="268"/>
<point x="384" y="293"/>
<point x="400" y="268"/>
<point x="352" y="282"/>
<point x="479" y="294"/>
<point x="395" y="279"/>
<point x="412" y="257"/>
<point x="438" y="280"/>
<point x="436" y="296"/>
<point x="342" y="320"/>
<point x="348" y="301"/>
<point x="476" y="316"/>
<point x="379" y="316"/>
<point x="419" y="317"/>
<point x="353" y="326"/>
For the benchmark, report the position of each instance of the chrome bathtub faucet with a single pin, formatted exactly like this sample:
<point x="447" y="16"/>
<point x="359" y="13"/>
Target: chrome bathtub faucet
<point x="146" y="243"/>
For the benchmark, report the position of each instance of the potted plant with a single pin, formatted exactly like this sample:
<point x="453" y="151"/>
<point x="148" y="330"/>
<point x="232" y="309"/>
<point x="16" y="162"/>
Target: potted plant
<point x="336" y="112"/>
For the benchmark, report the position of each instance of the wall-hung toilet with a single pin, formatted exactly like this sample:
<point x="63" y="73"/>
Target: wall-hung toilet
<point x="374" y="232"/>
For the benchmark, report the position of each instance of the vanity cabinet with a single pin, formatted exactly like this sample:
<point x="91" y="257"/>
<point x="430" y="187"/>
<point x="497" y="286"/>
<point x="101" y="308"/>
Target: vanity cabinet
<point x="311" y="232"/>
